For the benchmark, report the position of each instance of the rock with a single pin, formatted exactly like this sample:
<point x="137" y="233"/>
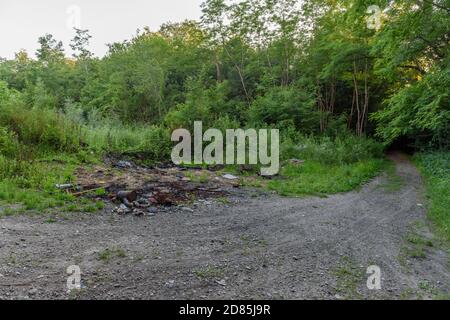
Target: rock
<point x="127" y="195"/>
<point x="128" y="203"/>
<point x="124" y="164"/>
<point x="32" y="292"/>
<point x="152" y="210"/>
<point x="142" y="201"/>
<point x="170" y="283"/>
<point x="123" y="209"/>
<point x="138" y="213"/>
<point x="229" y="177"/>
<point x="187" y="209"/>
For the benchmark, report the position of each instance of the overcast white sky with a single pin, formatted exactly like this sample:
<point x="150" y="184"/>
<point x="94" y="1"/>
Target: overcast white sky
<point x="22" y="22"/>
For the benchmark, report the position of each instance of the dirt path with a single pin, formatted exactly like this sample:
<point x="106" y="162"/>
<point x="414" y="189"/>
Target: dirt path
<point x="256" y="246"/>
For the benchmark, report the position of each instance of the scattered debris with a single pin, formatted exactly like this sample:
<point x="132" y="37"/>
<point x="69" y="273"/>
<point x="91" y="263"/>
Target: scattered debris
<point x="66" y="186"/>
<point x="122" y="209"/>
<point x="130" y="196"/>
<point x="145" y="191"/>
<point x="216" y="167"/>
<point x="124" y="164"/>
<point x="162" y="198"/>
<point x="296" y="162"/>
<point x="32" y="292"/>
<point x="246" y="168"/>
<point x="229" y="177"/>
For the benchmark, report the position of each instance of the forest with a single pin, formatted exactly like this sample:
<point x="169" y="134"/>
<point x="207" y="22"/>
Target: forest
<point x="343" y="80"/>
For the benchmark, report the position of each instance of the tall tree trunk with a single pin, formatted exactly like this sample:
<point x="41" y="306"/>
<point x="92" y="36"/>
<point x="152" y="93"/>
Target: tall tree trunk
<point x="241" y="77"/>
<point x="218" y="71"/>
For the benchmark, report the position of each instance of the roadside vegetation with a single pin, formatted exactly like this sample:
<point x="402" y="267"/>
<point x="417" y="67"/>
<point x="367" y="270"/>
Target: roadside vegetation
<point x="339" y="92"/>
<point x="435" y="168"/>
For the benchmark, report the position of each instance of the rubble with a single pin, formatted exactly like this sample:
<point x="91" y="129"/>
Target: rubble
<point x="129" y="196"/>
<point x="146" y="191"/>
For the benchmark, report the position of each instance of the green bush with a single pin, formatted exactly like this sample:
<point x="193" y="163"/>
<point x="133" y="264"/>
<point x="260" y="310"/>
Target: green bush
<point x="285" y="104"/>
<point x="435" y="168"/>
<point x="206" y="105"/>
<point x="345" y="149"/>
<point x="14" y="168"/>
<point x="317" y="178"/>
<point x="156" y="144"/>
<point x="9" y="146"/>
<point x="151" y="141"/>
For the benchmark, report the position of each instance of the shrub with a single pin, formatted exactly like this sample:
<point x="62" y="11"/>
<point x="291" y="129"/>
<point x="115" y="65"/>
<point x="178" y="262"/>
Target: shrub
<point x="280" y="104"/>
<point x="153" y="142"/>
<point x="9" y="146"/>
<point x="38" y="127"/>
<point x="340" y="150"/>
<point x="436" y="169"/>
<point x="14" y="168"/>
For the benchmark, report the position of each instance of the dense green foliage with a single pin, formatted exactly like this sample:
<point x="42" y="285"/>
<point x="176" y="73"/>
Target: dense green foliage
<point x="324" y="65"/>
<point x="327" y="73"/>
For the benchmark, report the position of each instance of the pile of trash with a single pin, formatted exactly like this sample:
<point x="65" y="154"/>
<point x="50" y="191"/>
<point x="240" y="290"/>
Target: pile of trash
<point x="153" y="196"/>
<point x="141" y="190"/>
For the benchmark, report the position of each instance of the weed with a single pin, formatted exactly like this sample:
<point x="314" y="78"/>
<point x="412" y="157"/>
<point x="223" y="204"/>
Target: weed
<point x="314" y="178"/>
<point x="108" y="254"/>
<point x="348" y="277"/>
<point x="435" y="167"/>
<point x="209" y="272"/>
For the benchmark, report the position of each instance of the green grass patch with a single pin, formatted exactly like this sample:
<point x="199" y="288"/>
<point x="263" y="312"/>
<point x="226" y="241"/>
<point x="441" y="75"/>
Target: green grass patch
<point x="209" y="272"/>
<point x="348" y="278"/>
<point x="31" y="184"/>
<point x="108" y="254"/>
<point x="315" y="178"/>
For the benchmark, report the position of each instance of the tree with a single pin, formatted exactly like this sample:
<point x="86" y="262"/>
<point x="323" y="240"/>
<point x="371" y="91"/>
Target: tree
<point x="80" y="44"/>
<point x="50" y="50"/>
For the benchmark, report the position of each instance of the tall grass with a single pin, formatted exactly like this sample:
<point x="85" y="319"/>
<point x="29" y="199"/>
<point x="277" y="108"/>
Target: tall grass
<point x="41" y="127"/>
<point x="435" y="168"/>
<point x="344" y="149"/>
<point x="151" y="142"/>
<point x="332" y="164"/>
